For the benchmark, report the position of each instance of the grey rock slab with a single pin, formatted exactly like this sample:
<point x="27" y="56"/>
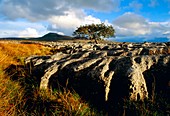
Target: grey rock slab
<point x="107" y="72"/>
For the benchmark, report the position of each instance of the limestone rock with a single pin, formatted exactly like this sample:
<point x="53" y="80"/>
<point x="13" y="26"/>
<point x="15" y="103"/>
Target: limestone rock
<point x="106" y="72"/>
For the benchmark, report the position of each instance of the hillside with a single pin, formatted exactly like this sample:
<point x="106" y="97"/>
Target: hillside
<point x="53" y="37"/>
<point x="46" y="37"/>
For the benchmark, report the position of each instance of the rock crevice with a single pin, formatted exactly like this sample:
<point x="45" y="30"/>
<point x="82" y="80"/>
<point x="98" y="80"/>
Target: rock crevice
<point x="106" y="70"/>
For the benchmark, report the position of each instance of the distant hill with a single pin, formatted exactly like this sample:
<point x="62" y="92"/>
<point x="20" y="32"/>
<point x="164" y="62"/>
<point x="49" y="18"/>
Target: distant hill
<point x="53" y="37"/>
<point x="47" y="37"/>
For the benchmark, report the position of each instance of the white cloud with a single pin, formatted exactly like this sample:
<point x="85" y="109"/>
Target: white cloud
<point x="167" y="34"/>
<point x="35" y="10"/>
<point x="18" y="28"/>
<point x="28" y="32"/>
<point x="131" y="24"/>
<point x="67" y="23"/>
<point x="90" y="19"/>
<point x="68" y="20"/>
<point x="63" y="16"/>
<point x="64" y="24"/>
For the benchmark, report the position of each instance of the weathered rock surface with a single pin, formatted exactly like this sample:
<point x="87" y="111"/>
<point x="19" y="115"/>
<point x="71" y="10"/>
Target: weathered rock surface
<point x="106" y="72"/>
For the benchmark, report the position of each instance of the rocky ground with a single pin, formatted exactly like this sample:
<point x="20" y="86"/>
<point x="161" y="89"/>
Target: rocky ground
<point x="107" y="72"/>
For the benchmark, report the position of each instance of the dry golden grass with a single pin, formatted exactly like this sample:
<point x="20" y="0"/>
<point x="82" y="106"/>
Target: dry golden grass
<point x="72" y="104"/>
<point x="12" y="53"/>
<point x="16" y="99"/>
<point x="11" y="93"/>
<point x="59" y="103"/>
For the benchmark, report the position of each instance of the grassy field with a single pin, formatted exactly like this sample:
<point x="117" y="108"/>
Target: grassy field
<point x="20" y="94"/>
<point x="11" y="92"/>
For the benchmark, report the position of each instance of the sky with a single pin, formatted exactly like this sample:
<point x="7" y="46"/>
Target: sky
<point x="133" y="20"/>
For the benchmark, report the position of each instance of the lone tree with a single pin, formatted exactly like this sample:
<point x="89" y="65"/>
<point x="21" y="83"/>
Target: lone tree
<point x="94" y="32"/>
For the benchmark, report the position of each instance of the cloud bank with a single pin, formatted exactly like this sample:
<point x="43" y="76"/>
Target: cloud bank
<point x="64" y="16"/>
<point x="39" y="10"/>
<point x="26" y="29"/>
<point x="133" y="25"/>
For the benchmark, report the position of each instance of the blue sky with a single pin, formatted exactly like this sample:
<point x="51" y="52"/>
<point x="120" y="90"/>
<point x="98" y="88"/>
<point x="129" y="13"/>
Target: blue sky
<point x="133" y="20"/>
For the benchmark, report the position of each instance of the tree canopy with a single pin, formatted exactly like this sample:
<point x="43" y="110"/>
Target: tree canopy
<point x="94" y="31"/>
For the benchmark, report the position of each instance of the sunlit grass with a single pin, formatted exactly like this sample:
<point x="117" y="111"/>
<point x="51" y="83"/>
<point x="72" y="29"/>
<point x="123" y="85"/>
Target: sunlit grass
<point x="14" y="53"/>
<point x="21" y="95"/>
<point x="11" y="93"/>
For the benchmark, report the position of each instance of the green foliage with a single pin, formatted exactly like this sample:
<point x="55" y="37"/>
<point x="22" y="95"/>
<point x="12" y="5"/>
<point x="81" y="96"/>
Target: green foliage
<point x="94" y="31"/>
